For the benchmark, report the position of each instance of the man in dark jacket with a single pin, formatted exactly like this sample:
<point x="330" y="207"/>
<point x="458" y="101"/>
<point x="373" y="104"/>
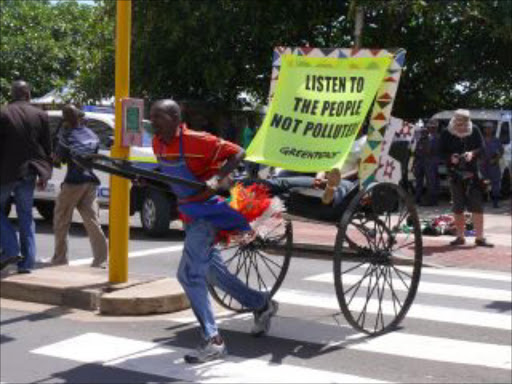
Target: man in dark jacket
<point x="460" y="146"/>
<point x="25" y="159"/>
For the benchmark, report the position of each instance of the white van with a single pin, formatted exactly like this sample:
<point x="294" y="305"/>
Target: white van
<point x="157" y="208"/>
<point x="502" y="120"/>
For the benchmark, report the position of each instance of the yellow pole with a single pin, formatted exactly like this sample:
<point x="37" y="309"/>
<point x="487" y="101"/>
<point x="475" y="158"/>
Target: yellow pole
<point x="119" y="187"/>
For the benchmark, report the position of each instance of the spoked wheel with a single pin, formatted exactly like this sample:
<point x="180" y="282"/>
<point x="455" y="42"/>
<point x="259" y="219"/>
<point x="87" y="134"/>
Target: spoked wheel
<point x="261" y="264"/>
<point x="377" y="277"/>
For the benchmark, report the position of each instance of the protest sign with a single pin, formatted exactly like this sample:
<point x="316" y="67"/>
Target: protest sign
<point x="317" y="110"/>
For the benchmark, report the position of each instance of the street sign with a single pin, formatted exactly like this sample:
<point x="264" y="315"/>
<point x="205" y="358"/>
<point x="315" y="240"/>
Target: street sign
<point x="132" y="128"/>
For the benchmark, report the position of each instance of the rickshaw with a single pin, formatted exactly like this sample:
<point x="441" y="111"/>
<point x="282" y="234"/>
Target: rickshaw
<point x="377" y="255"/>
<point x="376" y="266"/>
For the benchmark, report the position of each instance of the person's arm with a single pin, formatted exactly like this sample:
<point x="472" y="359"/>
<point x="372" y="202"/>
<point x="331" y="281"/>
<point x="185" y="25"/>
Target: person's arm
<point x="45" y="141"/>
<point x="232" y="155"/>
<point x="351" y="174"/>
<point x="479" y="144"/>
<point x="231" y="164"/>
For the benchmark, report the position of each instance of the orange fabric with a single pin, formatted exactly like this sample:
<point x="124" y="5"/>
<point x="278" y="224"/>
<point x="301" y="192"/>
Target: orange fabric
<point x="204" y="153"/>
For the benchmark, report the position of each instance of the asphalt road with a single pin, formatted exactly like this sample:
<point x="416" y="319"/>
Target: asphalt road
<point x="458" y="330"/>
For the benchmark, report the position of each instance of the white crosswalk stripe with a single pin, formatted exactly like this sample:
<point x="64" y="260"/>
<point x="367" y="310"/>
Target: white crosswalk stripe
<point x="154" y="359"/>
<point x="429" y="288"/>
<point x="322" y="334"/>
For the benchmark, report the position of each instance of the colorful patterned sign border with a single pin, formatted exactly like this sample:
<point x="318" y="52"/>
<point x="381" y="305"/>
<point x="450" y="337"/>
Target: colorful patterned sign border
<point x="381" y="112"/>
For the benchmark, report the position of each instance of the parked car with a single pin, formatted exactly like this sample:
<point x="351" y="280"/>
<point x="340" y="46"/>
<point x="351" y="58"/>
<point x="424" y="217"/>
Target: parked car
<point x="156" y="207"/>
<point x="502" y="120"/>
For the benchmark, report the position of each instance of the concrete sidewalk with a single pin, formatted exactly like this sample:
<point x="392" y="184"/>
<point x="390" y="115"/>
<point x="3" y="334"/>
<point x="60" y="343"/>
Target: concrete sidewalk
<point x="88" y="288"/>
<point x="436" y="250"/>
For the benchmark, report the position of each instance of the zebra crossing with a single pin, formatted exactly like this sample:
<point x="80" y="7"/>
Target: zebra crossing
<point x="310" y="342"/>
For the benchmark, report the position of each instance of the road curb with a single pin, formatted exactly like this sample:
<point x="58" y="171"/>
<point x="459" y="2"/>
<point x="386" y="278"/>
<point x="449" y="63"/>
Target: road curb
<point x="88" y="289"/>
<point x="159" y="296"/>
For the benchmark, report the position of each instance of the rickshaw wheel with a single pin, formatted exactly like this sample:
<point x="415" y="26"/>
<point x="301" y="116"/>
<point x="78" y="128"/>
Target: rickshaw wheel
<point x="377" y="280"/>
<point x="261" y="264"/>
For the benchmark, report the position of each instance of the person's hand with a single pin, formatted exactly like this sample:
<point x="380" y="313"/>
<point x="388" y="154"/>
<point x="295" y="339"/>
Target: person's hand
<point x="42" y="184"/>
<point x="213" y="182"/>
<point x="227" y="182"/>
<point x="468" y="156"/>
<point x="455" y="159"/>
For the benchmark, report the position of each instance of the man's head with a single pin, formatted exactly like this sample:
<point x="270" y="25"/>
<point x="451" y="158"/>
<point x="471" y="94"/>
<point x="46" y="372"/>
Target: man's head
<point x="20" y="91"/>
<point x="488" y="128"/>
<point x="433" y="126"/>
<point x="461" y="120"/>
<point x="71" y="115"/>
<point x="165" y="115"/>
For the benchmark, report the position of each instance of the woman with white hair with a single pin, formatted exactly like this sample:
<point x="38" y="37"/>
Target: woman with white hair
<point x="460" y="146"/>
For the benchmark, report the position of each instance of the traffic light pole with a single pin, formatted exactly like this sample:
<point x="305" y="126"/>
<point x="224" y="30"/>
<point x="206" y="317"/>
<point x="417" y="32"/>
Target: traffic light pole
<point x="119" y="187"/>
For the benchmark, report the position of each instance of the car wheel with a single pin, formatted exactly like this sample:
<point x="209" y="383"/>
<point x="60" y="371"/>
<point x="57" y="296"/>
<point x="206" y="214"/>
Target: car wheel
<point x="155" y="213"/>
<point x="45" y="209"/>
<point x="505" y="183"/>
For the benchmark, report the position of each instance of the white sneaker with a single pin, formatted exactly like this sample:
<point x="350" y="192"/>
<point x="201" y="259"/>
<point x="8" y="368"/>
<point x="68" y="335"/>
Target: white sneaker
<point x="207" y="351"/>
<point x="263" y="318"/>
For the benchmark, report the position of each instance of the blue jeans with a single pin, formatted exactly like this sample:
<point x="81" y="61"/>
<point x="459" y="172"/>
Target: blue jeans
<point x="23" y="191"/>
<point x="200" y="264"/>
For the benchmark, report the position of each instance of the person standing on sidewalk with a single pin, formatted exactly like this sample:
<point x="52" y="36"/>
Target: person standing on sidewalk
<point x="25" y="161"/>
<point x="78" y="189"/>
<point x="460" y="146"/>
<point x="202" y="157"/>
<point x="490" y="165"/>
<point x="426" y="164"/>
<point x="432" y="163"/>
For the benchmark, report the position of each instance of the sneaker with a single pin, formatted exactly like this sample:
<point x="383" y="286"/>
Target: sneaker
<point x="5" y="261"/>
<point x="263" y="318"/>
<point x="483" y="243"/>
<point x="102" y="265"/>
<point x="207" y="351"/>
<point x="458" y="241"/>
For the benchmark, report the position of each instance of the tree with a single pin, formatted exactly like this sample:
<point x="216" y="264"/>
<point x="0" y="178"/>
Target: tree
<point x="213" y="50"/>
<point x="458" y="52"/>
<point x="52" y="44"/>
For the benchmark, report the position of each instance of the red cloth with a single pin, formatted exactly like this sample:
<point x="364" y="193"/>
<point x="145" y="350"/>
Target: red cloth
<point x="204" y="152"/>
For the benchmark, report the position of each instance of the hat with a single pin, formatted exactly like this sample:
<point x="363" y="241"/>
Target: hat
<point x="462" y="112"/>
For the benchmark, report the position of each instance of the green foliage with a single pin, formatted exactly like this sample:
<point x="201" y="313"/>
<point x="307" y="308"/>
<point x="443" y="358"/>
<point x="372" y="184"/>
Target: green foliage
<point x="49" y="45"/>
<point x="212" y="50"/>
<point x="458" y="52"/>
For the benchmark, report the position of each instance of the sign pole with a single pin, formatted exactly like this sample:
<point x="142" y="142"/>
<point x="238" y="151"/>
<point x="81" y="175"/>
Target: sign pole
<point x="119" y="187"/>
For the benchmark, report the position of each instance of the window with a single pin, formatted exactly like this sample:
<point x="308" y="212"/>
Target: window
<point x="505" y="133"/>
<point x="103" y="130"/>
